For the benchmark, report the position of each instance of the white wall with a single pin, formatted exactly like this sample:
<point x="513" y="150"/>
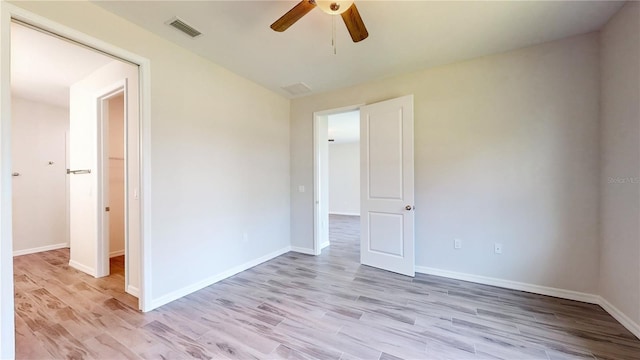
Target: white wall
<point x="344" y="178"/>
<point x="116" y="176"/>
<point x="219" y="157"/>
<point x="506" y="151"/>
<point x="40" y="192"/>
<point x="620" y="143"/>
<point x="322" y="188"/>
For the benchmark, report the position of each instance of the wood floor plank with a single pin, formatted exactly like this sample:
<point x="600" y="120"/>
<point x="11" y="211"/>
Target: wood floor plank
<point x="104" y="346"/>
<point x="329" y="339"/>
<point x="285" y="352"/>
<point x="299" y="306"/>
<point x="28" y="345"/>
<point x="241" y="335"/>
<point x="59" y="342"/>
<point x="171" y="337"/>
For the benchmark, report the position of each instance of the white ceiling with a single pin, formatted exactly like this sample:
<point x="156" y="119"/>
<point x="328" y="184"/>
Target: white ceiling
<point x="43" y="67"/>
<point x="344" y="127"/>
<point x="404" y="36"/>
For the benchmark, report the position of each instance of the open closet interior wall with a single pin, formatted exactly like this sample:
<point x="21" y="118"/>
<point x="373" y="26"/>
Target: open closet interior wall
<point x="116" y="176"/>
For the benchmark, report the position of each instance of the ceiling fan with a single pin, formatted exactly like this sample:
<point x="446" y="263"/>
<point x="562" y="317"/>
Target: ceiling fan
<point x="345" y="8"/>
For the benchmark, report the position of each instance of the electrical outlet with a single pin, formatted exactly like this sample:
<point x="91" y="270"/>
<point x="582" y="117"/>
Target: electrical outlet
<point x="245" y="237"/>
<point x="497" y="248"/>
<point x="457" y="244"/>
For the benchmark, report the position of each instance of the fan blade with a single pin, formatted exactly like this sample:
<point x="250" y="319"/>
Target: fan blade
<point x="293" y="15"/>
<point x="354" y="24"/>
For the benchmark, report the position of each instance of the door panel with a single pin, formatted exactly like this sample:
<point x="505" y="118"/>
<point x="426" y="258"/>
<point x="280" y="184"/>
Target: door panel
<point x="385" y="158"/>
<point x="382" y="234"/>
<point x="387" y="186"/>
<point x="83" y="186"/>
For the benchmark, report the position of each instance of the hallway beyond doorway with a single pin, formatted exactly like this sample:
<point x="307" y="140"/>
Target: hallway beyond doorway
<point x="344" y="237"/>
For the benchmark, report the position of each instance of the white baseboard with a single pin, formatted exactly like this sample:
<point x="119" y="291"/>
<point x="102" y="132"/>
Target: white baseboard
<point x="174" y="295"/>
<point x="85" y="269"/>
<point x="132" y="290"/>
<point x="621" y="317"/>
<point x="343" y="213"/>
<point x="300" y="250"/>
<point x="324" y="244"/>
<point x="40" y="249"/>
<point x="116" y="253"/>
<point x="515" y="285"/>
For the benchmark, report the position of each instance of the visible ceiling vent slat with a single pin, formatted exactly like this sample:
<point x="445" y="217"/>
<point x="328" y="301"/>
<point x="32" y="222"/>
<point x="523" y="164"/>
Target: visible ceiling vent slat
<point x="297" y="89"/>
<point x="184" y="27"/>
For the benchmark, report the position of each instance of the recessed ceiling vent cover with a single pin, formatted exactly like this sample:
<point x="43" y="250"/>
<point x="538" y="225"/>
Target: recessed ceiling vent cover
<point x="184" y="27"/>
<point x="297" y="89"/>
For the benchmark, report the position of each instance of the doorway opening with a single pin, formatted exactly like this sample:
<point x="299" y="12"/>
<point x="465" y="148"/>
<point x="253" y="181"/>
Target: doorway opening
<point x="337" y="181"/>
<point x="386" y="184"/>
<point x="75" y="160"/>
<point x="114" y="173"/>
<point x="138" y="182"/>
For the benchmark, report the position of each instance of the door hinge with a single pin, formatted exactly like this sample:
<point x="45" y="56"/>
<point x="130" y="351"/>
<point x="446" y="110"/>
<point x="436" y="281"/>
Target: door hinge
<point x="106" y="209"/>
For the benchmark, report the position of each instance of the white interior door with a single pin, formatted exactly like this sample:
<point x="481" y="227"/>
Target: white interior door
<point x="387" y="189"/>
<point x="83" y="186"/>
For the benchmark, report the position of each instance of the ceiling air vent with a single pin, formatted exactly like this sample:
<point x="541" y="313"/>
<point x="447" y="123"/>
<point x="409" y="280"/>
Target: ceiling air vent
<point x="184" y="27"/>
<point x="297" y="89"/>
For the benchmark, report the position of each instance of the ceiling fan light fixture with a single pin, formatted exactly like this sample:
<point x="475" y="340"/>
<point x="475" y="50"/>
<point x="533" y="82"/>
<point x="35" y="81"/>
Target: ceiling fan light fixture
<point x="335" y="7"/>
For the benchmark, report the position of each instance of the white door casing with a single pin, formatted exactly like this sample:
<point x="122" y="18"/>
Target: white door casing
<point x="387" y="186"/>
<point x="321" y="183"/>
<point x="102" y="256"/>
<point x="7" y="316"/>
<point x="321" y="176"/>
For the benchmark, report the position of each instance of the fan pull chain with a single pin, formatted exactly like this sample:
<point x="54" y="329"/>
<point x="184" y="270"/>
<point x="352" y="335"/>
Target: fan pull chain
<point x="333" y="35"/>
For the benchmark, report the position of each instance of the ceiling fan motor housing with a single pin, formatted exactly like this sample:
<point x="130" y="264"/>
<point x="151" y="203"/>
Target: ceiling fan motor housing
<point x="334" y="7"/>
<point x="345" y="8"/>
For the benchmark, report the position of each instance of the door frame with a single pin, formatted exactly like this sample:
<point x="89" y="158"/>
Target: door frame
<point x="8" y="12"/>
<point x="320" y="178"/>
<point x="102" y="253"/>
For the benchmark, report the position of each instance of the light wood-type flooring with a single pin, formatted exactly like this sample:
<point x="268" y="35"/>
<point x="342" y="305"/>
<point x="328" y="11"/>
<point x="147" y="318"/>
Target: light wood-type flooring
<point x="305" y="307"/>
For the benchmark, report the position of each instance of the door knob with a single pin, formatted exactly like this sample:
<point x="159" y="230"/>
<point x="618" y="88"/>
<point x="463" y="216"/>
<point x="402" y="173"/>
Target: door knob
<point x="409" y="207"/>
